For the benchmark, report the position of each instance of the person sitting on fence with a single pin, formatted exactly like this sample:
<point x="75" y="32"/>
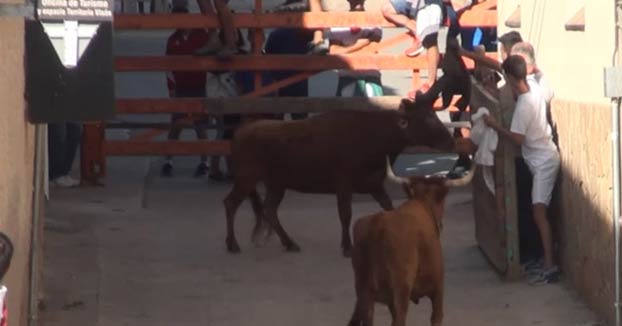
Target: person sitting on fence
<point x="531" y="130"/>
<point x="214" y="45"/>
<point x="290" y="41"/>
<point x="185" y="84"/>
<point x="344" y="40"/>
<point x="423" y="19"/>
<point x="225" y="84"/>
<point x="318" y="44"/>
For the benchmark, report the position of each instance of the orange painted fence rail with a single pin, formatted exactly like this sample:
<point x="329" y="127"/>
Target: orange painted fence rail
<point x="95" y="147"/>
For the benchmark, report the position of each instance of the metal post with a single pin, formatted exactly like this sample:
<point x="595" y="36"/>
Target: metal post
<point x="615" y="144"/>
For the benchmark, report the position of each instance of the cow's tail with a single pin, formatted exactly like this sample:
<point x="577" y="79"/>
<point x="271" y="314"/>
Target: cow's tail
<point x="262" y="224"/>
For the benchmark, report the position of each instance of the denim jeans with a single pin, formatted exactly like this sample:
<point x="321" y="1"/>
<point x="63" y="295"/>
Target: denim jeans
<point x="63" y="141"/>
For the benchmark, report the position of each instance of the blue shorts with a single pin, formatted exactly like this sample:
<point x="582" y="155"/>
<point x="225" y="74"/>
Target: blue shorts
<point x="404" y="7"/>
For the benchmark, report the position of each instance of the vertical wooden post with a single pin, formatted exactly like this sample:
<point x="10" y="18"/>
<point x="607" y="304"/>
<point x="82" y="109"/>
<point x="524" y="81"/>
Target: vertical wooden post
<point x="92" y="155"/>
<point x="257" y="43"/>
<point x="416" y="79"/>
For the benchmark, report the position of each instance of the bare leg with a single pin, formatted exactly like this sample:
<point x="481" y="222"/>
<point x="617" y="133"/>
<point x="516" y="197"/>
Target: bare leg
<point x="398" y="19"/>
<point x="316" y="6"/>
<point x="433" y="57"/>
<point x="226" y="22"/>
<point x="539" y="215"/>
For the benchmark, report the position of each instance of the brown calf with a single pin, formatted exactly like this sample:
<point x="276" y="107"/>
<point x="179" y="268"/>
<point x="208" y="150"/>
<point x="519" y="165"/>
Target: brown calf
<point x="397" y="255"/>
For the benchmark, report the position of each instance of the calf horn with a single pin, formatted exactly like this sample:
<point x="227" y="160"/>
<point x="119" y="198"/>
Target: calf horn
<point x="392" y="177"/>
<point x="465" y="180"/>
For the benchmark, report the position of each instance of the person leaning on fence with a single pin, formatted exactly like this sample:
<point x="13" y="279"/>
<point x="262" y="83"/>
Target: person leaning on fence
<point x="286" y="40"/>
<point x="531" y="130"/>
<point x="229" y="84"/>
<point x="344" y="40"/>
<point x="63" y="142"/>
<point x="185" y="84"/>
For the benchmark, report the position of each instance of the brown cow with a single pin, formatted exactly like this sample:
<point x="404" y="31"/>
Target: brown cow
<point x="341" y="152"/>
<point x="397" y="254"/>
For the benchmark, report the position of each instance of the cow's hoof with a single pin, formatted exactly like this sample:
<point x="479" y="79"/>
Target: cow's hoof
<point x="233" y="247"/>
<point x="292" y="247"/>
<point x="347" y="252"/>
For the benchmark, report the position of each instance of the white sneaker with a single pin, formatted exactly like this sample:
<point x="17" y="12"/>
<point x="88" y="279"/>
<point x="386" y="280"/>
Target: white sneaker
<point x="66" y="181"/>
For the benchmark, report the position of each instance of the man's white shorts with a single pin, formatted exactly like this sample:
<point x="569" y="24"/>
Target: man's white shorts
<point x="429" y="21"/>
<point x="544" y="177"/>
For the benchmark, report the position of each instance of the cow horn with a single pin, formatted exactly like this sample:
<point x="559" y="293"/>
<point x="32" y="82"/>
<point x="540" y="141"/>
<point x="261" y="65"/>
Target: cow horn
<point x="465" y="180"/>
<point x="392" y="177"/>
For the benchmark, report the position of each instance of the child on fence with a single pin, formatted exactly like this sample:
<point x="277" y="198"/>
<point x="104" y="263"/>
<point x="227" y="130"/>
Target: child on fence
<point x="531" y="130"/>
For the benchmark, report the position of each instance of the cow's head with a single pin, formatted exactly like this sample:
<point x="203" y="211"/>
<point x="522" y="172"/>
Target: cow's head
<point x="432" y="191"/>
<point x="422" y="126"/>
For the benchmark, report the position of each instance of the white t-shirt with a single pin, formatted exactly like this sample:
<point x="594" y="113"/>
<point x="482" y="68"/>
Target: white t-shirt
<point x="538" y="81"/>
<point x="347" y="36"/>
<point x="529" y="119"/>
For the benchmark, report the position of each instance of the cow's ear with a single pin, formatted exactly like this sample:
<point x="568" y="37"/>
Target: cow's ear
<point x="406" y="105"/>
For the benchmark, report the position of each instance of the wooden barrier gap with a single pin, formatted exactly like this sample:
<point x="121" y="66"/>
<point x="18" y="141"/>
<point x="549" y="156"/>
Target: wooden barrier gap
<point x="470" y="18"/>
<point x="274" y="62"/>
<point x="259" y="105"/>
<point x="177" y="147"/>
<point x="169" y="147"/>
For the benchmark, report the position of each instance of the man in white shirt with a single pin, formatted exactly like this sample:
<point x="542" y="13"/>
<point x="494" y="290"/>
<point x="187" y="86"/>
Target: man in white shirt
<point x="536" y="79"/>
<point x="531" y="130"/>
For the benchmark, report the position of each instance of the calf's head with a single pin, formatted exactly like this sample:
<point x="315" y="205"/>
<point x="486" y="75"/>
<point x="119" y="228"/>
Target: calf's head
<point x="422" y="127"/>
<point x="432" y="191"/>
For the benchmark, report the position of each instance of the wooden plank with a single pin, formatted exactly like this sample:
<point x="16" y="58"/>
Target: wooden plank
<point x="267" y="62"/>
<point x="271" y="20"/>
<point x="274" y="62"/>
<point x="267" y="89"/>
<point x="260" y="105"/>
<point x="170" y="147"/>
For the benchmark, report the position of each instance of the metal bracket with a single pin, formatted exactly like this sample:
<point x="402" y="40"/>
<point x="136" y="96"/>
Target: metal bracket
<point x="26" y="10"/>
<point x="613" y="82"/>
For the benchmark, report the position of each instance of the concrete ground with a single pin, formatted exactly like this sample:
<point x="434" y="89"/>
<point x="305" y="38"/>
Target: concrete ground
<point x="149" y="251"/>
<point x="152" y="253"/>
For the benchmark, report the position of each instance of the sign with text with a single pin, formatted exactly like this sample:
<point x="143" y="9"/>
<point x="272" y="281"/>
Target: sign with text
<point x="81" y="10"/>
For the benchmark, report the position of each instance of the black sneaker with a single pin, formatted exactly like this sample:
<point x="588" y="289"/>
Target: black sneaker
<point x="317" y="48"/>
<point x="201" y="170"/>
<point x="167" y="170"/>
<point x="546" y="276"/>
